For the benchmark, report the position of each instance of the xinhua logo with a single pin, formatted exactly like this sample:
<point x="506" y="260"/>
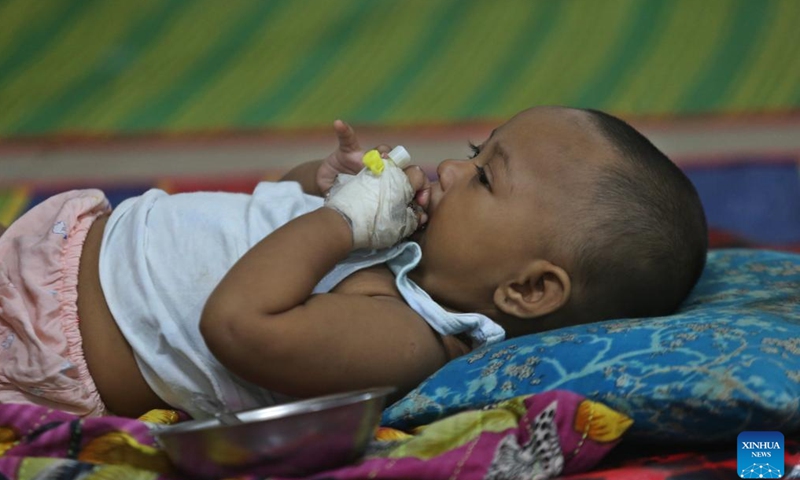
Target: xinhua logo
<point x="760" y="455"/>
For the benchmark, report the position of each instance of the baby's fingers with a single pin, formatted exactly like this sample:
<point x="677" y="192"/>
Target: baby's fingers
<point x="384" y="150"/>
<point x="348" y="142"/>
<point x="421" y="185"/>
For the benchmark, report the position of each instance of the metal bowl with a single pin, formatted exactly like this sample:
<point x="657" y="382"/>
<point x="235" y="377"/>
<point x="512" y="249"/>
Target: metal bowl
<point x="292" y="439"/>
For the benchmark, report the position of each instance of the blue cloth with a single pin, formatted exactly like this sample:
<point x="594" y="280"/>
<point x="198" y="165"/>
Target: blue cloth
<point x="758" y="200"/>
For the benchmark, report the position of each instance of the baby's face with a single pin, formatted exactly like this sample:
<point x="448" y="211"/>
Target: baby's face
<point x="506" y="206"/>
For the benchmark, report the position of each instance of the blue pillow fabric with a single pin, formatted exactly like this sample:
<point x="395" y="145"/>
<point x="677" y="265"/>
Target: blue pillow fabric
<point x="727" y="361"/>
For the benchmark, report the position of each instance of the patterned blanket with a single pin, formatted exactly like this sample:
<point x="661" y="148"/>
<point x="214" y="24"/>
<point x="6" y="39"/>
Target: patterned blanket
<point x="536" y="436"/>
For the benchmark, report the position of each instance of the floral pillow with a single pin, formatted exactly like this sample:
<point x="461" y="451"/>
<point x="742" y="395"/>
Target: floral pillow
<point x="728" y="361"/>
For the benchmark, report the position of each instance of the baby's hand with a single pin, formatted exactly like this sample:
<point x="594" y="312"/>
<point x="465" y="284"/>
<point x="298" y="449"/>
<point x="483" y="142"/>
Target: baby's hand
<point x="380" y="209"/>
<point x="346" y="159"/>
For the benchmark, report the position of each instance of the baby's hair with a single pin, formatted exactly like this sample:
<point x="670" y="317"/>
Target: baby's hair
<point x="643" y="238"/>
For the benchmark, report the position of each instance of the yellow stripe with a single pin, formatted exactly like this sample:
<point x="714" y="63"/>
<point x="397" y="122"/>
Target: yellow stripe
<point x="156" y="69"/>
<point x="700" y="29"/>
<point x="89" y="40"/>
<point x="204" y="25"/>
<point x="423" y="48"/>
<point x="717" y="16"/>
<point x="781" y="87"/>
<point x="787" y="91"/>
<point x="270" y="108"/>
<point x="759" y="77"/>
<point x="645" y="79"/>
<point x="564" y="65"/>
<point x="260" y="64"/>
<point x="272" y="56"/>
<point x="466" y="62"/>
<point x="366" y="64"/>
<point x="687" y="42"/>
<point x="17" y="201"/>
<point x="543" y="72"/>
<point x="601" y="32"/>
<point x="489" y="40"/>
<point x="759" y="73"/>
<point x="16" y="16"/>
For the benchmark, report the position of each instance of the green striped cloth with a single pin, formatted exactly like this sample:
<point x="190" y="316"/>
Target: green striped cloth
<point x="99" y="67"/>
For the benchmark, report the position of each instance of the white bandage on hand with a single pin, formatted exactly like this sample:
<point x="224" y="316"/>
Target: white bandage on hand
<point x="376" y="206"/>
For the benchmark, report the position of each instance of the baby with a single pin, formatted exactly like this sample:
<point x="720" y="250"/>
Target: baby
<point x="209" y="302"/>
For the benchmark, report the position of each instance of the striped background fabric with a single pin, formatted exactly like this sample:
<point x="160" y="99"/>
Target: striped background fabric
<point x="96" y="67"/>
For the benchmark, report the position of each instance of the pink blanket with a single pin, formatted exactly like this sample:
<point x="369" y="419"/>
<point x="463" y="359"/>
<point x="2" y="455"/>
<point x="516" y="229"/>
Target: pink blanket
<point x="537" y="436"/>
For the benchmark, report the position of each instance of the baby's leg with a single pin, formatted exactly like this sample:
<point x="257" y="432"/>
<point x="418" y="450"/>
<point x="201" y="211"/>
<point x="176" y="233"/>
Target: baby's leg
<point x="41" y="355"/>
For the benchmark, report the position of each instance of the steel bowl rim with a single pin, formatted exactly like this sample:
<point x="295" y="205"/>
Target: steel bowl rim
<point x="274" y="412"/>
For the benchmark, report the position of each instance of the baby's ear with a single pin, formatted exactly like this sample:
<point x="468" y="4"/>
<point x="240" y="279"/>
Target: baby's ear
<point x="540" y="288"/>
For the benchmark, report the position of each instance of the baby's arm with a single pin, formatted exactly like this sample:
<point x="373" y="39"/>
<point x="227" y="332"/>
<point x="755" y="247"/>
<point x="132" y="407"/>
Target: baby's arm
<point x="262" y="323"/>
<point x="317" y="176"/>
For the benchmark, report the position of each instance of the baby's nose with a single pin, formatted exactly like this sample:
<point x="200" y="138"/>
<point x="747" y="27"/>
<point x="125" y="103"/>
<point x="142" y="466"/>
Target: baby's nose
<point x="449" y="171"/>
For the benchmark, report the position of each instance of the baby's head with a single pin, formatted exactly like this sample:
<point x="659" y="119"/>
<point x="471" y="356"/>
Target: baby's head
<point x="563" y="217"/>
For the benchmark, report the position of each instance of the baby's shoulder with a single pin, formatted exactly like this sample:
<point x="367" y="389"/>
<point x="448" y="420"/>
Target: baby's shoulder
<point x="375" y="281"/>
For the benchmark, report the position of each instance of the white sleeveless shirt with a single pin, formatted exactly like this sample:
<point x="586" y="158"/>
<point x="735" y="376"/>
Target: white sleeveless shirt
<point x="161" y="257"/>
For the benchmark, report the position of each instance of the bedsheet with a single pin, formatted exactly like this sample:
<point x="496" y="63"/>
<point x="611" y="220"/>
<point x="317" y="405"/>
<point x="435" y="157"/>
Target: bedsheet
<point x="647" y="463"/>
<point x="537" y="436"/>
<point x="36" y="442"/>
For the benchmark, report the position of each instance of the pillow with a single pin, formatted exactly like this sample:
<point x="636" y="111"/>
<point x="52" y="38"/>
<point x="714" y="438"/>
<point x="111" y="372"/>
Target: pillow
<point x="727" y="361"/>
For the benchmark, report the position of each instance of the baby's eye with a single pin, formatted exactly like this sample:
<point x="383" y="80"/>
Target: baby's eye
<point x="475" y="150"/>
<point x="482" y="177"/>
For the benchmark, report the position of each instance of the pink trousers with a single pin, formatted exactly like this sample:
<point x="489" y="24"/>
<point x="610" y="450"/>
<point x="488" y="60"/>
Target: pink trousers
<point x="41" y="352"/>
